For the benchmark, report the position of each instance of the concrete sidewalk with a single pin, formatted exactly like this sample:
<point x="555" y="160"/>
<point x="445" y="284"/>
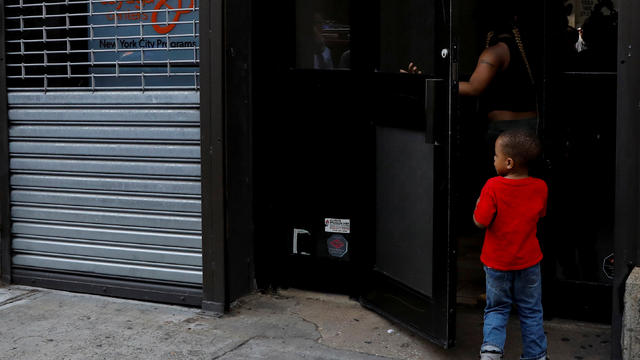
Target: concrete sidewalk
<point x="47" y="324"/>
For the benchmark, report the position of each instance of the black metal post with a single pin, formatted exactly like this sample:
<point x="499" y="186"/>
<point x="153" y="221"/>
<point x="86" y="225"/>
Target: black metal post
<point x="212" y="93"/>
<point x="238" y="148"/>
<point x="627" y="202"/>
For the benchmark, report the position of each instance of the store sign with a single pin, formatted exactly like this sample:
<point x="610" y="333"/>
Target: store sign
<point x="160" y="35"/>
<point x="139" y="5"/>
<point x="144" y="25"/>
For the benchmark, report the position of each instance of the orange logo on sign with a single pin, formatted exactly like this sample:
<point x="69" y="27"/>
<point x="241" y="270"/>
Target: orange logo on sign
<point x="161" y="4"/>
<point x="165" y="29"/>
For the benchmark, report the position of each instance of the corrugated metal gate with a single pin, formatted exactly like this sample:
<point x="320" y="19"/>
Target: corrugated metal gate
<point x="104" y="140"/>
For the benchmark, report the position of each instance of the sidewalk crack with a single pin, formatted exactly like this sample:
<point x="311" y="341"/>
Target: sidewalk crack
<point x="234" y="348"/>
<point x="319" y="338"/>
<point x="17" y="298"/>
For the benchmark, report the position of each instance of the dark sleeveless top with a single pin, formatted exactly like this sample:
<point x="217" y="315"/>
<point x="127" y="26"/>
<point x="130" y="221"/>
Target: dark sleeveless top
<point x="511" y="89"/>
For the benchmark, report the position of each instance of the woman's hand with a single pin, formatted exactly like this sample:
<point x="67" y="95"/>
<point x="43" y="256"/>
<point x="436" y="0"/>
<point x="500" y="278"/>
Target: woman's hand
<point x="411" y="69"/>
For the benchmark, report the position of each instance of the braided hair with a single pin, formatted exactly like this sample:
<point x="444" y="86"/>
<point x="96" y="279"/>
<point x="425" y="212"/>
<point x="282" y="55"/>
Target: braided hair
<point x="518" y="38"/>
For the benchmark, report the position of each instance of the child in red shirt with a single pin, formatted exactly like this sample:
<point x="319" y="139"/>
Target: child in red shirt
<point x="509" y="207"/>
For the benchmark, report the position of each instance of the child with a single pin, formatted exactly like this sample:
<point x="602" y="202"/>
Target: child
<point x="509" y="207"/>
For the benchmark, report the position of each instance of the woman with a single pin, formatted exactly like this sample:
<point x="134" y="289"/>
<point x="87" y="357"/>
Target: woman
<point x="503" y="77"/>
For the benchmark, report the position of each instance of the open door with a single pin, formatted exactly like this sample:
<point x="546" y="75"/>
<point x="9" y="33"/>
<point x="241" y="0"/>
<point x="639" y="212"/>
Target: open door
<point x="412" y="277"/>
<point x="352" y="156"/>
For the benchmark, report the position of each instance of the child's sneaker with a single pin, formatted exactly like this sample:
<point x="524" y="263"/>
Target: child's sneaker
<point x="490" y="355"/>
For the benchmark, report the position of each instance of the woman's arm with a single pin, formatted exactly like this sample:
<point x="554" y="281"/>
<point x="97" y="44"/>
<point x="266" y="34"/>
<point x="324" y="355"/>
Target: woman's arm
<point x="492" y="60"/>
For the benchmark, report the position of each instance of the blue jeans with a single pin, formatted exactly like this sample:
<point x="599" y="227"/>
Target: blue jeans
<point x="524" y="289"/>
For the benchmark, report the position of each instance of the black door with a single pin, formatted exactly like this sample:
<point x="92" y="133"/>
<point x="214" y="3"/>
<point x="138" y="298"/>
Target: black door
<point x="412" y="271"/>
<point x="411" y="276"/>
<point x="352" y="156"/>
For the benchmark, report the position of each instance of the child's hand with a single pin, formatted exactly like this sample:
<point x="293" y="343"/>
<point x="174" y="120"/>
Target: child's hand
<point x="474" y="217"/>
<point x="477" y="223"/>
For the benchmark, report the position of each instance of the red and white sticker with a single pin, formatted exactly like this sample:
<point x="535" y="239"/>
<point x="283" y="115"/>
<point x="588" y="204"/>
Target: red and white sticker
<point x="337" y="245"/>
<point x="341" y="226"/>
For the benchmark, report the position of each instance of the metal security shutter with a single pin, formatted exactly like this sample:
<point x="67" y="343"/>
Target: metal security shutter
<point x="106" y="190"/>
<point x="104" y="142"/>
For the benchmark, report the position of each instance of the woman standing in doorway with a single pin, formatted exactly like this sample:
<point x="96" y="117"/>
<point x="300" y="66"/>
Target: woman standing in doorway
<point x="503" y="77"/>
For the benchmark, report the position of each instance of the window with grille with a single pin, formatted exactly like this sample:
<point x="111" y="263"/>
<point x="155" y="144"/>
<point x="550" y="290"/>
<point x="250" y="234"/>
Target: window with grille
<point x="102" y="45"/>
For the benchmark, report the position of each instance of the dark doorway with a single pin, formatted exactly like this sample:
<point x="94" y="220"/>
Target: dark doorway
<point x="576" y="76"/>
<point x="323" y="90"/>
<point x="580" y="114"/>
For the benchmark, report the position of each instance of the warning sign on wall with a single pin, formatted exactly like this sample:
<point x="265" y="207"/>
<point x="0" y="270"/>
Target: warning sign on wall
<point x="341" y="226"/>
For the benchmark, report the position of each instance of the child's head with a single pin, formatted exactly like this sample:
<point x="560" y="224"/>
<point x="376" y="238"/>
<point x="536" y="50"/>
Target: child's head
<point x="515" y="150"/>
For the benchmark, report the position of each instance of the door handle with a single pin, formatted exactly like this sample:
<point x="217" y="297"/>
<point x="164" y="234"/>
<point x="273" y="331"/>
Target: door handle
<point x="430" y="110"/>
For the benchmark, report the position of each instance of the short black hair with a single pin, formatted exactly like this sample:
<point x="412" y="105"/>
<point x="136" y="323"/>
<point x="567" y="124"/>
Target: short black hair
<point x="522" y="145"/>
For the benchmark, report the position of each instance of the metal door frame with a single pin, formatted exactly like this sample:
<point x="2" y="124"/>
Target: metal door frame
<point x="627" y="193"/>
<point x="212" y="150"/>
<point x="226" y="144"/>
